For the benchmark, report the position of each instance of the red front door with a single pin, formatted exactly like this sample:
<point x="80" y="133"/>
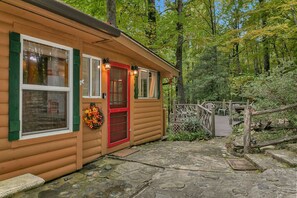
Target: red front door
<point x="118" y="104"/>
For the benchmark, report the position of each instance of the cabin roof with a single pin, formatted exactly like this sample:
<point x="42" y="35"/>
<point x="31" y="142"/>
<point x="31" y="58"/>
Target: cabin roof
<point x="71" y="13"/>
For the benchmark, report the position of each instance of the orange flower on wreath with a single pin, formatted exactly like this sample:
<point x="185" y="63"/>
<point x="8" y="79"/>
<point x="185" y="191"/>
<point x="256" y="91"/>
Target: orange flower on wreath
<point x="93" y="117"/>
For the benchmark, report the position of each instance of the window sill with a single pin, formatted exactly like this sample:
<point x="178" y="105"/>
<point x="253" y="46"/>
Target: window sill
<point x="29" y="140"/>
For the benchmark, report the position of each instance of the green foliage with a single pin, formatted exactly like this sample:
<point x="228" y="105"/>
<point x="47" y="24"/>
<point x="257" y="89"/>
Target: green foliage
<point x="188" y="136"/>
<point x="192" y="130"/>
<point x="272" y="135"/>
<point x="237" y="85"/>
<point x="238" y="130"/>
<point x="223" y="47"/>
<point x="208" y="79"/>
<point x="272" y="91"/>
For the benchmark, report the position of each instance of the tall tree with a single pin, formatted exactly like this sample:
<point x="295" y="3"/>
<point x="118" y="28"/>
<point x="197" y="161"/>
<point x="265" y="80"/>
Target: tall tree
<point x="111" y="12"/>
<point x="151" y="31"/>
<point x="266" y="55"/>
<point x="179" y="51"/>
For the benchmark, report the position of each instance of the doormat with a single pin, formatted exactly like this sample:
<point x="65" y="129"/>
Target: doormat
<point x="124" y="152"/>
<point x="241" y="164"/>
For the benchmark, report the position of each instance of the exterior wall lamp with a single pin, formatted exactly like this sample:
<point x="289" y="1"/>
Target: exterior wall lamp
<point x="106" y="63"/>
<point x="134" y="69"/>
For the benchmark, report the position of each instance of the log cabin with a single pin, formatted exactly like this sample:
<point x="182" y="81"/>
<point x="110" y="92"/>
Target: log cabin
<point x="54" y="62"/>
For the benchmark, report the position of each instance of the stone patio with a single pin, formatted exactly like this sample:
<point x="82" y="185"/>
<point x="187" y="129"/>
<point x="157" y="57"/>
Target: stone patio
<point x="170" y="169"/>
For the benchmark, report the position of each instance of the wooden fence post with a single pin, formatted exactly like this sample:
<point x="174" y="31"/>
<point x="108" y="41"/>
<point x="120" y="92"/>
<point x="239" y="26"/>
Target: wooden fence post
<point x="230" y="112"/>
<point x="247" y="130"/>
<point x="213" y="129"/>
<point x="198" y="110"/>
<point x="164" y="122"/>
<point x="174" y="109"/>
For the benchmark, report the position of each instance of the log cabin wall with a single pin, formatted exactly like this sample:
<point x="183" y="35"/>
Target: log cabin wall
<point x="48" y="157"/>
<point x="92" y="139"/>
<point x="56" y="155"/>
<point x="147" y="120"/>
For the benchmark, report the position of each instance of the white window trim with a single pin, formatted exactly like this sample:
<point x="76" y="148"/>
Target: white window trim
<point x="48" y="88"/>
<point x="90" y="76"/>
<point x="148" y="84"/>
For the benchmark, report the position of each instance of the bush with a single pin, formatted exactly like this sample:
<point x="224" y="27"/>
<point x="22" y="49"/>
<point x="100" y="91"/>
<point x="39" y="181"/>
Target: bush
<point x="188" y="136"/>
<point x="272" y="91"/>
<point x="275" y="90"/>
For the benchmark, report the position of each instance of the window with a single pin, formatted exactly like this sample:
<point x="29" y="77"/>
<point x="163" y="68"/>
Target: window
<point x="147" y="84"/>
<point x="46" y="91"/>
<point x="91" y="77"/>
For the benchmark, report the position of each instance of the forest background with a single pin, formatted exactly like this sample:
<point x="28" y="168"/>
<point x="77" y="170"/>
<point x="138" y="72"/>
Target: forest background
<point x="224" y="49"/>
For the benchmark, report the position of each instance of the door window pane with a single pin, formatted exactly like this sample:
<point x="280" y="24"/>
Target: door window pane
<point x="118" y="87"/>
<point x="118" y="126"/>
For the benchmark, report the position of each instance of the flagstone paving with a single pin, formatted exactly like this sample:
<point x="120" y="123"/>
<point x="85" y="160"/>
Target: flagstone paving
<point x="170" y="169"/>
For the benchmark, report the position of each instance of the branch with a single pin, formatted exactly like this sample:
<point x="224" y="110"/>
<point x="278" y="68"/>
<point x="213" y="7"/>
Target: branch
<point x="274" y="110"/>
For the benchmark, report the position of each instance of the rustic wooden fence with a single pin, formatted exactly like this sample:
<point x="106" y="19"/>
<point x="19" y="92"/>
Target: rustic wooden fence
<point x="183" y="114"/>
<point x="249" y="114"/>
<point x="231" y="107"/>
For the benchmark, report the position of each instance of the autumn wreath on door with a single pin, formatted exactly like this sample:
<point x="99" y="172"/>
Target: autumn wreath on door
<point x="93" y="117"/>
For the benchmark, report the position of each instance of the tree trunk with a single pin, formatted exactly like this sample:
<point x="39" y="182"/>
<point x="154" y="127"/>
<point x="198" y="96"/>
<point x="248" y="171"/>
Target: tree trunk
<point x="236" y="27"/>
<point x="237" y="58"/>
<point x="151" y="32"/>
<point x="111" y="12"/>
<point x="266" y="55"/>
<point x="179" y="53"/>
<point x="276" y="53"/>
<point x="294" y="14"/>
<point x="256" y="62"/>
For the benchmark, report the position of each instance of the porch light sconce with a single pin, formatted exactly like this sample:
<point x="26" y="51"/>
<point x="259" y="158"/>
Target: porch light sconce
<point x="134" y="69"/>
<point x="106" y="63"/>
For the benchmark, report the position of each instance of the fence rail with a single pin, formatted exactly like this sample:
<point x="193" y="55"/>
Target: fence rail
<point x="183" y="114"/>
<point x="249" y="114"/>
<point x="201" y="113"/>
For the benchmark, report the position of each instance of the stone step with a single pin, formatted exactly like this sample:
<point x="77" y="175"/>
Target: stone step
<point x="292" y="147"/>
<point x="264" y="162"/>
<point x="18" y="184"/>
<point x="284" y="155"/>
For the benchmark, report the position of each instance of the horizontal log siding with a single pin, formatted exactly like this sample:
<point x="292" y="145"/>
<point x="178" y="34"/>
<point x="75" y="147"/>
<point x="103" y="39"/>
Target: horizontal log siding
<point x="38" y="159"/>
<point x="147" y="123"/>
<point x="92" y="148"/>
<point x="48" y="160"/>
<point x="4" y="61"/>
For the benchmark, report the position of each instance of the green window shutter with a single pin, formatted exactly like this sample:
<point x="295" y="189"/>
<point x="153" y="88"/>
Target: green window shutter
<point x="159" y="85"/>
<point x="14" y="86"/>
<point x="136" y="87"/>
<point x="76" y="71"/>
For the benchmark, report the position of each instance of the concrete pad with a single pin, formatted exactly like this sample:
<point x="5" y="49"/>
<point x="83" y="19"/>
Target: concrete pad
<point x="125" y="152"/>
<point x="184" y="155"/>
<point x="241" y="164"/>
<point x="222" y="128"/>
<point x="263" y="162"/>
<point x="176" y="184"/>
<point x="169" y="169"/>
<point x="18" y="184"/>
<point x="285" y="156"/>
